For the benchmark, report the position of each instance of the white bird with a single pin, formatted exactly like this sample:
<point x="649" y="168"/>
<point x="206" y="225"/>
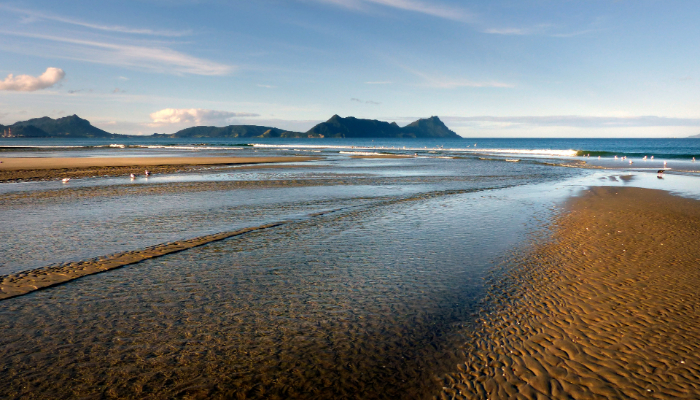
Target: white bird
<point x="65" y="180"/>
<point x="147" y="173"/>
<point x="132" y="176"/>
<point x="630" y="162"/>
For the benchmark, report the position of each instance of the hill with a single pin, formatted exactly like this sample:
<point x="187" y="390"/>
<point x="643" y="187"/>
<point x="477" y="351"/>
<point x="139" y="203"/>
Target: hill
<point x="71" y="126"/>
<point x="335" y="127"/>
<point x="235" y="131"/>
<point x="351" y="127"/>
<point x="694" y="136"/>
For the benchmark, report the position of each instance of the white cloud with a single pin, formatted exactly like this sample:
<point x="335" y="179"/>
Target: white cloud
<point x="196" y="116"/>
<point x="508" y="31"/>
<point x="159" y="59"/>
<point x="30" y="16"/>
<point x="28" y="83"/>
<point x="428" y="8"/>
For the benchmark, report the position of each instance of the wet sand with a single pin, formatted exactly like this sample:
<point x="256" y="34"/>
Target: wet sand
<point x="26" y="282"/>
<point x="36" y="168"/>
<point x="608" y="308"/>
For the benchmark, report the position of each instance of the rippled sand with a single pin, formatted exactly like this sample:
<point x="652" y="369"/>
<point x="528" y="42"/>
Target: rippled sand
<point x="608" y="309"/>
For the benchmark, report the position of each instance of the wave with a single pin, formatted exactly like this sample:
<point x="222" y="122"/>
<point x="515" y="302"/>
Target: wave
<point x="611" y="154"/>
<point x="190" y="147"/>
<point x="361" y="153"/>
<point x="474" y="150"/>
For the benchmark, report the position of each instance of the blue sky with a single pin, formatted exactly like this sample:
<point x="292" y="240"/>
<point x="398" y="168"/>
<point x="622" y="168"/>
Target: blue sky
<point x="542" y="68"/>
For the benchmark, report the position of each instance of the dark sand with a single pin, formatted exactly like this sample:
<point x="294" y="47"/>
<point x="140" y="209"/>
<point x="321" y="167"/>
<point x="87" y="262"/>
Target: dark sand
<point x="36" y="168"/>
<point x="29" y="281"/>
<point x="608" y="309"/>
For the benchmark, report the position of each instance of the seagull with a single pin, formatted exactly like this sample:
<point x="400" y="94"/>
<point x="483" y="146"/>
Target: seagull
<point x="660" y="173"/>
<point x="147" y="173"/>
<point x="65" y="180"/>
<point x="630" y="162"/>
<point x="132" y="176"/>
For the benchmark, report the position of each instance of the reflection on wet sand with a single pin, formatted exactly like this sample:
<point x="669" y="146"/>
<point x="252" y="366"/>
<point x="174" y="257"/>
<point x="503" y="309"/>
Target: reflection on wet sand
<point x="357" y="304"/>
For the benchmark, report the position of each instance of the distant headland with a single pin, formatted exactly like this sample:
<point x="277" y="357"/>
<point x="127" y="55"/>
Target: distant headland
<point x="336" y="127"/>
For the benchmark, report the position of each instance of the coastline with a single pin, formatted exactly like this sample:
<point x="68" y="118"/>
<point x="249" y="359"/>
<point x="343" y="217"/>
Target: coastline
<point x="607" y="309"/>
<point x="40" y="168"/>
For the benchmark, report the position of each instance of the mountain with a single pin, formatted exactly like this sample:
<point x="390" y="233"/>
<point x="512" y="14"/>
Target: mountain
<point x="71" y="126"/>
<point x="236" y="131"/>
<point x="694" y="136"/>
<point x="351" y="127"/>
<point x="429" y="128"/>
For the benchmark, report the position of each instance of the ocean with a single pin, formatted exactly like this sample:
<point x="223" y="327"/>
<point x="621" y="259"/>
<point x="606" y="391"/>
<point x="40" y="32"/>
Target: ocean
<point x="363" y="290"/>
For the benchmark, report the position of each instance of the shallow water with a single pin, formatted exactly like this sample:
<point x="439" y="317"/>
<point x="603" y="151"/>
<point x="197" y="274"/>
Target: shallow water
<point x="360" y="303"/>
<point x="364" y="302"/>
<point x="47" y="222"/>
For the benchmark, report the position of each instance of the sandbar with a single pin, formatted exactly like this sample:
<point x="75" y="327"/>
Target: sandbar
<point x="608" y="308"/>
<point x="29" y="281"/>
<point x="41" y="168"/>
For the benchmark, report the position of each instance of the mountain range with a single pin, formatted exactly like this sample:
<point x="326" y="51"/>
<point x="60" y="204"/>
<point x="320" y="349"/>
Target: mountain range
<point x="335" y="127"/>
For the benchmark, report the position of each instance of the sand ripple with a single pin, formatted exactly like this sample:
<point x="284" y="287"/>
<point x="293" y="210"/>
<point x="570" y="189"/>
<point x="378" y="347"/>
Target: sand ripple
<point x="608" y="309"/>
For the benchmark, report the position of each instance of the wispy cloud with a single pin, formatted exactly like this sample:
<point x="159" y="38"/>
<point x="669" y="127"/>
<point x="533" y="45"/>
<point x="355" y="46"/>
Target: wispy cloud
<point x="365" y="101"/>
<point x="508" y="31"/>
<point x="28" y="83"/>
<point x="434" y="9"/>
<point x="196" y="116"/>
<point x="159" y="59"/>
<point x="30" y="16"/>
<point x="574" y="121"/>
<point x="266" y="86"/>
<point x="442" y="82"/>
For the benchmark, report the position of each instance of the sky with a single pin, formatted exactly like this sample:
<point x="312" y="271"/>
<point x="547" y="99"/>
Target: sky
<point x="520" y="68"/>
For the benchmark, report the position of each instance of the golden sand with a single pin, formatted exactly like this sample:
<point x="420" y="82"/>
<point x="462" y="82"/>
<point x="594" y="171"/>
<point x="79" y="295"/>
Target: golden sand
<point x="36" y="168"/>
<point x="610" y="308"/>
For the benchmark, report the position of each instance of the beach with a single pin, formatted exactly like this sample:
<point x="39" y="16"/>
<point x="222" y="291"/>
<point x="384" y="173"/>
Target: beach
<point x="44" y="168"/>
<point x="608" y="308"/>
<point x="348" y="277"/>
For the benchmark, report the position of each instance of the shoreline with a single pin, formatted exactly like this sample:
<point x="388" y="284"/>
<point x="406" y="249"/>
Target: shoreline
<point x="38" y="168"/>
<point x="607" y="308"/>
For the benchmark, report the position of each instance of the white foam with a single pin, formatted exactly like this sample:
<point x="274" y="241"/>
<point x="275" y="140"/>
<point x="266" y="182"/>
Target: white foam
<point x="360" y="153"/>
<point x="528" y="152"/>
<point x="153" y="146"/>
